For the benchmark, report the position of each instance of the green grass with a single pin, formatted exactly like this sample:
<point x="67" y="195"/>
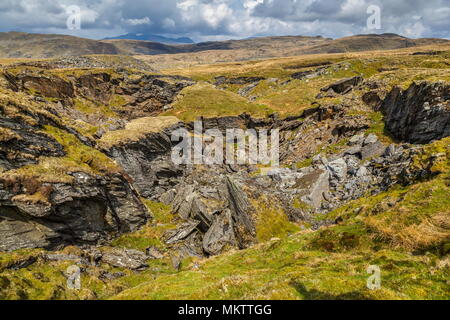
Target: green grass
<point x="272" y="222"/>
<point x="152" y="234"/>
<point x="411" y="218"/>
<point x="89" y="107"/>
<point x="404" y="231"/>
<point x="79" y="157"/>
<point x="136" y="129"/>
<point x="304" y="164"/>
<point x="205" y="100"/>
<point x="117" y="102"/>
<point x="290" y="269"/>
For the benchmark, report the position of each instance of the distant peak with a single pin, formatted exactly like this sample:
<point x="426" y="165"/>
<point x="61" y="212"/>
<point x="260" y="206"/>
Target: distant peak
<point x="153" y="38"/>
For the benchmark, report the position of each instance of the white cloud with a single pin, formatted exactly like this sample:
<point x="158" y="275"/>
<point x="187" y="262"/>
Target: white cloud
<point x="252" y="4"/>
<point x="137" y="22"/>
<point x="415" y="30"/>
<point x="185" y="5"/>
<point x="214" y="14"/>
<point x="214" y="19"/>
<point x="169" y="23"/>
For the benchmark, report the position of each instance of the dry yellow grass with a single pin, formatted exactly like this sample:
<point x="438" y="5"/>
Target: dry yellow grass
<point x="429" y="232"/>
<point x="287" y="96"/>
<point x="137" y="129"/>
<point x="203" y="99"/>
<point x="7" y="135"/>
<point x="9" y="61"/>
<point x="232" y="60"/>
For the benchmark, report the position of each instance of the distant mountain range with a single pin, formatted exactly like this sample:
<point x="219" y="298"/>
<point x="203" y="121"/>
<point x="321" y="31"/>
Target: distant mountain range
<point x="26" y="45"/>
<point x="153" y="38"/>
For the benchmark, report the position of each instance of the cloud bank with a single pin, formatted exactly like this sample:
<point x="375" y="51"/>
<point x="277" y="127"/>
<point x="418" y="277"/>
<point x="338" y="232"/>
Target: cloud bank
<point x="223" y="19"/>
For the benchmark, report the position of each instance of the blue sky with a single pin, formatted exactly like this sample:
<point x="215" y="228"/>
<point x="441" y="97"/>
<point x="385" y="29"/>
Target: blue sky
<point x="227" y="19"/>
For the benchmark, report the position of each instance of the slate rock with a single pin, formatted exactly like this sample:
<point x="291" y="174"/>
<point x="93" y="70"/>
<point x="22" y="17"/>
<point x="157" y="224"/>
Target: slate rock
<point x="125" y="258"/>
<point x="182" y="232"/>
<point x="419" y="114"/>
<point x="343" y="86"/>
<point x="220" y="234"/>
<point x="372" y="150"/>
<point x="338" y="169"/>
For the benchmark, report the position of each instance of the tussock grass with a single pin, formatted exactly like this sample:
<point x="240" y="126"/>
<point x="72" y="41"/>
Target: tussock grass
<point x="79" y="158"/>
<point x="205" y="100"/>
<point x="289" y="269"/>
<point x="395" y="67"/>
<point x="136" y="130"/>
<point x="421" y="220"/>
<point x="272" y="221"/>
<point x="8" y="135"/>
<point x="152" y="234"/>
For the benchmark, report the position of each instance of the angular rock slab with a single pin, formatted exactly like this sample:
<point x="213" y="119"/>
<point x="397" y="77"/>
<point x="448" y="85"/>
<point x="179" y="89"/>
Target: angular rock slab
<point x="420" y="114"/>
<point x="220" y="234"/>
<point x="125" y="258"/>
<point x="344" y="86"/>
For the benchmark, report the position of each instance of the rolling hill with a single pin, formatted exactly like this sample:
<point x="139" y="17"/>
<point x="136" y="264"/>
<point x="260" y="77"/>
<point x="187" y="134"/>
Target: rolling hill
<point x="25" y="45"/>
<point x="152" y="37"/>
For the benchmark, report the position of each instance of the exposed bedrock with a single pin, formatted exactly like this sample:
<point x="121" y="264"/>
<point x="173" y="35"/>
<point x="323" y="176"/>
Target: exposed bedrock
<point x="144" y="96"/>
<point x="87" y="211"/>
<point x="420" y="114"/>
<point x="148" y="161"/>
<point x="217" y="206"/>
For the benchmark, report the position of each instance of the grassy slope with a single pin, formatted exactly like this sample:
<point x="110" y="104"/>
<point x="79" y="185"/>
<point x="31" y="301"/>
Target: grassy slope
<point x="24" y="45"/>
<point x="392" y="67"/>
<point x="404" y="231"/>
<point x="46" y="280"/>
<point x="328" y="264"/>
<point x="205" y="100"/>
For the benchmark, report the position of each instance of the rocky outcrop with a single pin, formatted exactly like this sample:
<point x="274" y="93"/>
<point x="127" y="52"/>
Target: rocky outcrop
<point x="49" y="86"/>
<point x="300" y="138"/>
<point x="143" y="96"/>
<point x="87" y="211"/>
<point x="343" y="86"/>
<point x="150" y="94"/>
<point x="220" y="234"/>
<point x="93" y="257"/>
<point x="310" y="74"/>
<point x="49" y="198"/>
<point x="146" y="158"/>
<point x="245" y="91"/>
<point x="215" y="216"/>
<point x="96" y="86"/>
<point x="124" y="258"/>
<point x="241" y="210"/>
<point x="239" y="80"/>
<point x="365" y="166"/>
<point x="21" y="145"/>
<point x="420" y="114"/>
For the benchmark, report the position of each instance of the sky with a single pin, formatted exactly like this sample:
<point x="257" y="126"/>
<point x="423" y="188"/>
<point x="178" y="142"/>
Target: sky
<point x="206" y="20"/>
